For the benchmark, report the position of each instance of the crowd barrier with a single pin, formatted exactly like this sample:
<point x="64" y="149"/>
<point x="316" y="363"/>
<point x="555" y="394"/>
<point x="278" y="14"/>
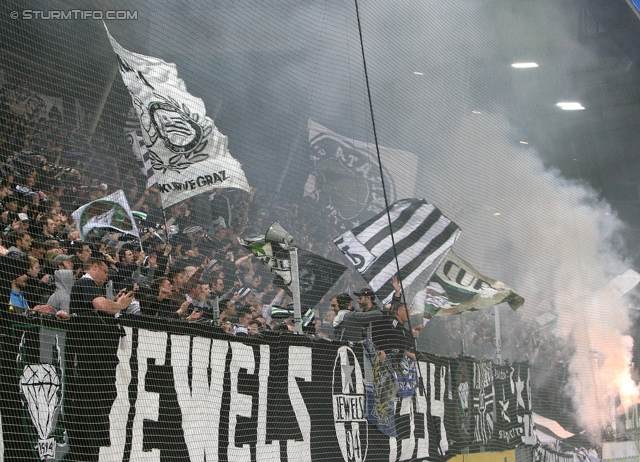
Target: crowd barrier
<point x="179" y="391"/>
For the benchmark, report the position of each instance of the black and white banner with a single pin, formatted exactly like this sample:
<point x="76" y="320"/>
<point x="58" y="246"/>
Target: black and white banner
<point x="181" y="391"/>
<point x="29" y="104"/>
<point x="421" y="238"/>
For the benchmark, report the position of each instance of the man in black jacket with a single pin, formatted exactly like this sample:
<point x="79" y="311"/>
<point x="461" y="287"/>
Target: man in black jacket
<point x="93" y="347"/>
<point x="391" y="337"/>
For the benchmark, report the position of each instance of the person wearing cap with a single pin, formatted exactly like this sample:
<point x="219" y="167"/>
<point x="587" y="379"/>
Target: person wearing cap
<point x="350" y="325"/>
<point x="367" y="300"/>
<point x="24" y="221"/>
<point x="367" y="297"/>
<point x="62" y="261"/>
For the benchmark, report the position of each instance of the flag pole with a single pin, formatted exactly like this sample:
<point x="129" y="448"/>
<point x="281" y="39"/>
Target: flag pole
<point x="295" y="289"/>
<point x="498" y="335"/>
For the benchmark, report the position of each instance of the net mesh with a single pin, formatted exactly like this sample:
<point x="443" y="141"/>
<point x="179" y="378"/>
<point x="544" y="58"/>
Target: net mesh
<point x="137" y="326"/>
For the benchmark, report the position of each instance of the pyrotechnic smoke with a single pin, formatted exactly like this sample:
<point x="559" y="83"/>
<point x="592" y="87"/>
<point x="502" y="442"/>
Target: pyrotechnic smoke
<point x="554" y="242"/>
<point x="551" y="239"/>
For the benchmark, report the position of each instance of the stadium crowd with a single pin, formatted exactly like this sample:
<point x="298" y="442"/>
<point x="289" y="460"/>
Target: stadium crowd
<point x="186" y="258"/>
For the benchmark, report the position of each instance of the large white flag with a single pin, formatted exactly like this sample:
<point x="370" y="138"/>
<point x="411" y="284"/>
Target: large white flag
<point x="187" y="152"/>
<point x="110" y="212"/>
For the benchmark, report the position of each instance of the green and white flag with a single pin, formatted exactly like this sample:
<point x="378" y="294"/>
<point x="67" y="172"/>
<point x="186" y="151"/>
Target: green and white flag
<point x="111" y="212"/>
<point x="456" y="287"/>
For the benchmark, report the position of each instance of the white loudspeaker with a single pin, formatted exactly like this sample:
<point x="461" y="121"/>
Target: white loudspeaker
<point x="276" y="234"/>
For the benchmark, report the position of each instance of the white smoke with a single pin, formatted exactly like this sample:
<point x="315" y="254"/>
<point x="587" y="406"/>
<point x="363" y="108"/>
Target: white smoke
<point x="555" y="243"/>
<point x="553" y="240"/>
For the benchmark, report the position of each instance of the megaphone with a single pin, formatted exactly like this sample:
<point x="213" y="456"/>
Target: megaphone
<point x="276" y="234"/>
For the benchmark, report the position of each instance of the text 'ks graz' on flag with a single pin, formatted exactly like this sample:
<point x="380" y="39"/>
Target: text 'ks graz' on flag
<point x="111" y="212"/>
<point x="316" y="274"/>
<point x="345" y="178"/>
<point x="187" y="152"/>
<point x="456" y="287"/>
<point x="422" y="235"/>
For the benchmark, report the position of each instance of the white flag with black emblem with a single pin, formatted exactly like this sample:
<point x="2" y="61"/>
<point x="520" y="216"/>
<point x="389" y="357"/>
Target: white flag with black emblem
<point x="187" y="152"/>
<point x="345" y="180"/>
<point x="422" y="236"/>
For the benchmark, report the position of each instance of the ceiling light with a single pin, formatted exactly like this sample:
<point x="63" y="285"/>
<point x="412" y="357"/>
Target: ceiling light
<point x="570" y="106"/>
<point x="523" y="142"/>
<point x="497" y="214"/>
<point x="476" y="112"/>
<point x="524" y="65"/>
<point x="418" y="73"/>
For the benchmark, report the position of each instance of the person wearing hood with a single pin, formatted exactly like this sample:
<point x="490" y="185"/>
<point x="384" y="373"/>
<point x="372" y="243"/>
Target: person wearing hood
<point x="63" y="276"/>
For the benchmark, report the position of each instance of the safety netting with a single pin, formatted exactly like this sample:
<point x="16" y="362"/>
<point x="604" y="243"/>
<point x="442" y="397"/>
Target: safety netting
<point x="246" y="230"/>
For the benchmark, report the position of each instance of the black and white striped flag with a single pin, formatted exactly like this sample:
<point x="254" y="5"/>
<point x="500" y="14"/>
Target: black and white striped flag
<point x="422" y="234"/>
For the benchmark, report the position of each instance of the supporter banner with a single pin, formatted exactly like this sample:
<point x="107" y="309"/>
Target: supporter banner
<point x="190" y="392"/>
<point x="547" y="455"/>
<point x="187" y="152"/>
<point x="110" y="212"/>
<point x="514" y="422"/>
<point x="422" y="236"/>
<point x="345" y="181"/>
<point x="29" y="104"/>
<point x="456" y="287"/>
